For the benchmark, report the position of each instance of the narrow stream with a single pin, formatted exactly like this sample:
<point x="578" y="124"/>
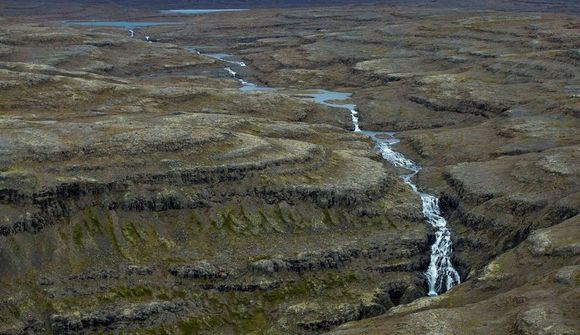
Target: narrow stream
<point x="246" y="86"/>
<point x="441" y="275"/>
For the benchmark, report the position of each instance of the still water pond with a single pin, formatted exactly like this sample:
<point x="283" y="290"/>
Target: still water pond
<point x="200" y="11"/>
<point x="119" y="24"/>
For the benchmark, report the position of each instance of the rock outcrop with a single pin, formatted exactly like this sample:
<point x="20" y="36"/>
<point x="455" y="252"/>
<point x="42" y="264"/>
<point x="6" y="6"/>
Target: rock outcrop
<point x="142" y="192"/>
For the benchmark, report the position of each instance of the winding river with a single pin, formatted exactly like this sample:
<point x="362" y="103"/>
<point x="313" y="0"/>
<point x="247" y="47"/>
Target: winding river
<point x="440" y="274"/>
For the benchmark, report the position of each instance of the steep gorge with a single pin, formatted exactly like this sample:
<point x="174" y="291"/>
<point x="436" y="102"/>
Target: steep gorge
<point x="141" y="191"/>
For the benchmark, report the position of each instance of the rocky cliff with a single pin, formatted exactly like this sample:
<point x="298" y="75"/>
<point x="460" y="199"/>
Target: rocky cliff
<point x="142" y="192"/>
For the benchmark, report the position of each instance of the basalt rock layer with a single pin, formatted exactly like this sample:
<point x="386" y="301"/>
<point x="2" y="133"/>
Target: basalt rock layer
<point x="142" y="192"/>
<point x="487" y="103"/>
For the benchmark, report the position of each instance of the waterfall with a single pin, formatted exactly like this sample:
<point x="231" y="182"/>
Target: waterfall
<point x="441" y="275"/>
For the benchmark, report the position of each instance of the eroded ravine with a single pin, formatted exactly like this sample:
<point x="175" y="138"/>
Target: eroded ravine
<point x="501" y="162"/>
<point x="441" y="276"/>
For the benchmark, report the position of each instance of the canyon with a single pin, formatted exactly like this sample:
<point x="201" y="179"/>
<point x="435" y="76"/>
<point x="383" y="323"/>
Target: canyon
<point x="289" y="170"/>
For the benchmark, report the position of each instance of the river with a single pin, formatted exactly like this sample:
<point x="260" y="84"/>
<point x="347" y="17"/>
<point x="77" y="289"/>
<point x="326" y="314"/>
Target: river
<point x="440" y="274"/>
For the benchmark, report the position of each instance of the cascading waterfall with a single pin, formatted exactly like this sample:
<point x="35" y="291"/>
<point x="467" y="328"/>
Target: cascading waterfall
<point x="246" y="86"/>
<point x="226" y="58"/>
<point x="441" y="275"/>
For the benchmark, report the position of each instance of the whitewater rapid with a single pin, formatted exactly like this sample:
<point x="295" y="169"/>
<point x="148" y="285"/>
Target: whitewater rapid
<point x="440" y="274"/>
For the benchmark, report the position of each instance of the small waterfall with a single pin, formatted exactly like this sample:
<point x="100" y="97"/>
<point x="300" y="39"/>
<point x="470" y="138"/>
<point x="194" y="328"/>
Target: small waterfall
<point x="226" y="58"/>
<point x="246" y="86"/>
<point x="441" y="275"/>
<point x="354" y="116"/>
<point x="231" y="72"/>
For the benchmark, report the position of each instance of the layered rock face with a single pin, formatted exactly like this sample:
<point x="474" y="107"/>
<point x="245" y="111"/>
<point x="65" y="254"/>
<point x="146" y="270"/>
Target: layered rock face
<point x="531" y="289"/>
<point x="142" y="192"/>
<point x="486" y="102"/>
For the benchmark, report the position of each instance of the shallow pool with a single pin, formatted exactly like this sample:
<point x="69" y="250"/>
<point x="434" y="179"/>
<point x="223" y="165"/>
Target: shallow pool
<point x="200" y="11"/>
<point x="120" y="24"/>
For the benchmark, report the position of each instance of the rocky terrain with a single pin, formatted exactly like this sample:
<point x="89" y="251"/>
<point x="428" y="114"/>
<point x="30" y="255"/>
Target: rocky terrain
<point x="142" y="192"/>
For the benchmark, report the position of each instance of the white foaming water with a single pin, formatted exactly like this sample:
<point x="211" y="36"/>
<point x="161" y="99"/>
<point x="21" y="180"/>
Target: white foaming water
<point x="226" y="58"/>
<point x="231" y="72"/>
<point x="354" y="115"/>
<point x="247" y="86"/>
<point x="441" y="275"/>
<point x="325" y="97"/>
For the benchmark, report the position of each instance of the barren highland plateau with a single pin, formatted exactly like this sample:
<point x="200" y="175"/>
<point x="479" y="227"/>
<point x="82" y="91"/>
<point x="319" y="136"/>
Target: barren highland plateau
<point x="290" y="167"/>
